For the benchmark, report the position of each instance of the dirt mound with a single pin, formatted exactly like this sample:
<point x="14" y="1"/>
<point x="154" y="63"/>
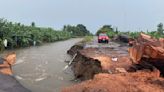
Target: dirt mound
<point x="85" y="68"/>
<point x="128" y="82"/>
<point x="150" y="50"/>
<point x="73" y="50"/>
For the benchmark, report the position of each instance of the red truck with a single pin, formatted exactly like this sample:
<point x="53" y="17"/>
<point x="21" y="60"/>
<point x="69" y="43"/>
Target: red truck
<point x="103" y="38"/>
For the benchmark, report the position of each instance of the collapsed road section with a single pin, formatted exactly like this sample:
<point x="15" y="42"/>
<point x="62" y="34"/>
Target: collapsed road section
<point x="91" y="59"/>
<point x="120" y="68"/>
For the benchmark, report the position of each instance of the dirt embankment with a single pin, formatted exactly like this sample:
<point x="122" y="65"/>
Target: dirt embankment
<point x="85" y="67"/>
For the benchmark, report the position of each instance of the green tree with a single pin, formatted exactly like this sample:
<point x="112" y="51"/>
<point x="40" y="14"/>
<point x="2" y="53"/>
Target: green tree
<point x="82" y="30"/>
<point x="33" y="24"/>
<point x="79" y="30"/>
<point x="108" y="30"/>
<point x="160" y="28"/>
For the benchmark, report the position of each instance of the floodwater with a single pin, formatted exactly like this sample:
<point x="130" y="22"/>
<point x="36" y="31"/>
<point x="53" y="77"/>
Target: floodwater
<point x="40" y="68"/>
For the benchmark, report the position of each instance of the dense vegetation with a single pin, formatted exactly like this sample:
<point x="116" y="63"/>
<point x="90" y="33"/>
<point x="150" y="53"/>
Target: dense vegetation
<point x="79" y="30"/>
<point x="108" y="30"/>
<point x="159" y="33"/>
<point x="19" y="35"/>
<point x="111" y="32"/>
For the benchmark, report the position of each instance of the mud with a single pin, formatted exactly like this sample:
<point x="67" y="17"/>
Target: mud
<point x="85" y="67"/>
<point x="157" y="63"/>
<point x="126" y="82"/>
<point x="74" y="49"/>
<point x="121" y="38"/>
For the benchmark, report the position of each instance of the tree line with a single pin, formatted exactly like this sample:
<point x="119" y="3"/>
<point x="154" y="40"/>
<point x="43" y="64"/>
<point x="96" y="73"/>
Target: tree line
<point x="78" y="30"/>
<point x="20" y="35"/>
<point x="111" y="32"/>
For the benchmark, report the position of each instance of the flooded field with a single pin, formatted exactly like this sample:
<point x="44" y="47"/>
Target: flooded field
<point x="40" y="68"/>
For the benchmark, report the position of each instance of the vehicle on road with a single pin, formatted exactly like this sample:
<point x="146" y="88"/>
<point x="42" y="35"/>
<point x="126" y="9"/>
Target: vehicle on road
<point x="103" y="38"/>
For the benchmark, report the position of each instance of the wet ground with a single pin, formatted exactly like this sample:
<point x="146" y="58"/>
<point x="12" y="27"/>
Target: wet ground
<point x="40" y="69"/>
<point x="95" y="44"/>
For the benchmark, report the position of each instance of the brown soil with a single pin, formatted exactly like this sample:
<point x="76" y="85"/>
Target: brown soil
<point x="113" y="70"/>
<point x="91" y="61"/>
<point x="85" y="68"/>
<point x="126" y="82"/>
<point x="148" y="49"/>
<point x="73" y="50"/>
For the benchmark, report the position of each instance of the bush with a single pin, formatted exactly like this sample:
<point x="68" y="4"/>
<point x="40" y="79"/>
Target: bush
<point x="19" y="35"/>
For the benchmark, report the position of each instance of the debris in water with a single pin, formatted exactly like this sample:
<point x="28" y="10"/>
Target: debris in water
<point x="18" y="77"/>
<point x="40" y="79"/>
<point x="70" y="62"/>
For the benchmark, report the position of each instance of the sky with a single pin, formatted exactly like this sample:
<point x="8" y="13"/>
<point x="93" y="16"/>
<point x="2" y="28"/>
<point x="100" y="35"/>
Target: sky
<point x="127" y="15"/>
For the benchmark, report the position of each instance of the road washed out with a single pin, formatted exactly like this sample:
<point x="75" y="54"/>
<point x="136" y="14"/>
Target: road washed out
<point x="113" y="69"/>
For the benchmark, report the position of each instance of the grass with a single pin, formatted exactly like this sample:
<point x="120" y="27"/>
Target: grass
<point x="87" y="39"/>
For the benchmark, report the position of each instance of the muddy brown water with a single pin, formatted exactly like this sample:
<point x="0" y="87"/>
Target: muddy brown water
<point x="40" y="68"/>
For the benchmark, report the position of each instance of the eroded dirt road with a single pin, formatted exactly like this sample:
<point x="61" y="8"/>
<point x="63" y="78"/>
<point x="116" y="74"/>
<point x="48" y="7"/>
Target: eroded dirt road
<point x="109" y="68"/>
<point x="99" y="57"/>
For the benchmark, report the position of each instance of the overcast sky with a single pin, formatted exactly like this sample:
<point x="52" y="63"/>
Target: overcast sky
<point x="124" y="14"/>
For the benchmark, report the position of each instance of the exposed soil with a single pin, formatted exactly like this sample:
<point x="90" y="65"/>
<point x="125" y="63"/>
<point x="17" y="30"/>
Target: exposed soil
<point x="111" y="69"/>
<point x="74" y="49"/>
<point x="85" y="67"/>
<point x="91" y="61"/>
<point x="126" y="82"/>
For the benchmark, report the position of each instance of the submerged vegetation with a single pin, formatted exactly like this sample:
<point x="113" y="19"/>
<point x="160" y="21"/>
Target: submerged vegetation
<point x="20" y="35"/>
